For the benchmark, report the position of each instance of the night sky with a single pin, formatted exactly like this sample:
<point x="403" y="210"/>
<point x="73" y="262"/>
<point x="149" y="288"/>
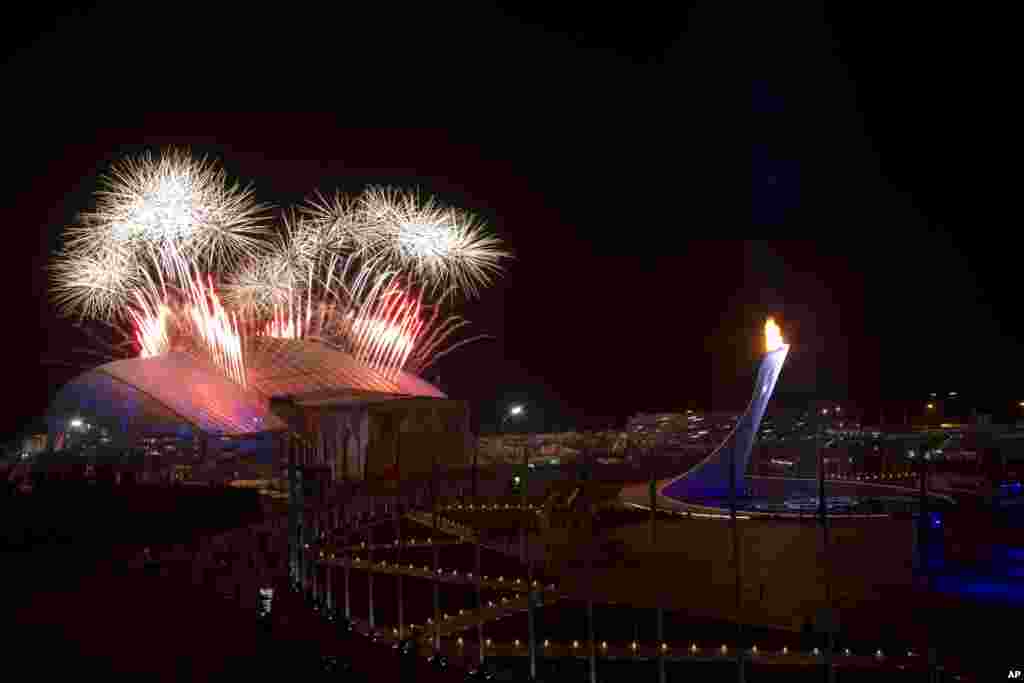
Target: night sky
<point x="665" y="179"/>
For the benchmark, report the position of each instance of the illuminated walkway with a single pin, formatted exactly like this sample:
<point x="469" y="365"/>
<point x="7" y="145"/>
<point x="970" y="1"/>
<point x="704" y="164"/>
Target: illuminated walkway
<point x="452" y="576"/>
<point x="457" y="632"/>
<point x="460" y="647"/>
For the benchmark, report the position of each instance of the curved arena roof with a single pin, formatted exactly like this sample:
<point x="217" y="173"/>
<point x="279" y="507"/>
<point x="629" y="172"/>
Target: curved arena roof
<point x="174" y="391"/>
<point x="310" y="372"/>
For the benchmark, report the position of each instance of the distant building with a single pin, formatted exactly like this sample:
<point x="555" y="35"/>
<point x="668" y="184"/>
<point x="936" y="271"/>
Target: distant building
<point x="683" y="431"/>
<point x="657" y="422"/>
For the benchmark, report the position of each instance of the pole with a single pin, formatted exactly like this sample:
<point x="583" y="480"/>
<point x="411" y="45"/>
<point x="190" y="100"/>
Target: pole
<point x="531" y="597"/>
<point x="348" y="604"/>
<point x="590" y="633"/>
<point x="314" y="571"/>
<point x="436" y="557"/>
<point x="479" y="600"/>
<point x="293" y="507"/>
<point x="736" y="549"/>
<point x="592" y="656"/>
<point x="401" y="614"/>
<point x="369" y="576"/>
<point x="922" y="522"/>
<point x="653" y="492"/>
<point x="661" y="639"/>
<point x="823" y="516"/>
<point x="398" y="530"/>
<point x="329" y="601"/>
<point x="476" y="475"/>
<point x="522" y="505"/>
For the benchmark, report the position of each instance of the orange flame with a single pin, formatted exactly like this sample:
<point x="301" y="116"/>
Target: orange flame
<point x="772" y="336"/>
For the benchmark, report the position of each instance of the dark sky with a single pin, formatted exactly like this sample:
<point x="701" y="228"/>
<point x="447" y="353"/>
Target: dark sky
<point x="666" y="180"/>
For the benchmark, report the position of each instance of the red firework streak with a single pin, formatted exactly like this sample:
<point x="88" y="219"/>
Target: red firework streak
<point x="385" y="338"/>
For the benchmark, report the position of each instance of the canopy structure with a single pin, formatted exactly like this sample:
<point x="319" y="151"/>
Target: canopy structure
<point x="315" y="374"/>
<point x="176" y="393"/>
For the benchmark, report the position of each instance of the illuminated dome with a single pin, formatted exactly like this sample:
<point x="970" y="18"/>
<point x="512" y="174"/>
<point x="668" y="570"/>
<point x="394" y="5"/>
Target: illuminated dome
<point x="176" y="393"/>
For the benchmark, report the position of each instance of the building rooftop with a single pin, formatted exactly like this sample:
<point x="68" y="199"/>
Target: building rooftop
<point x="176" y="393"/>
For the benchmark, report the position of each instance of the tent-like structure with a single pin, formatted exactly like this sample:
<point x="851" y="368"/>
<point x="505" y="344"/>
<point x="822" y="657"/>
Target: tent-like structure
<point x="341" y="410"/>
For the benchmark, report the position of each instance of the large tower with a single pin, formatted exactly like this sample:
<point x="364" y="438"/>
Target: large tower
<point x="711" y="478"/>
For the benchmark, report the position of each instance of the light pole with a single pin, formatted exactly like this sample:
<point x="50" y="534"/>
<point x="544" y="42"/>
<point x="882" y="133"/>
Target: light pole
<point x="513" y="411"/>
<point x="531" y="595"/>
<point x="826" y="615"/>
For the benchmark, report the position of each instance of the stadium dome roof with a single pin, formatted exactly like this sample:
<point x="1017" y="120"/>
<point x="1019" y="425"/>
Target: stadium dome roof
<point x="175" y="391"/>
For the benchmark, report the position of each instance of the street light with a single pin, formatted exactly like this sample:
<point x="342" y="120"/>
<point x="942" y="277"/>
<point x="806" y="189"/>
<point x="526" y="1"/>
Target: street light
<point x="514" y="411"/>
<point x="76" y="423"/>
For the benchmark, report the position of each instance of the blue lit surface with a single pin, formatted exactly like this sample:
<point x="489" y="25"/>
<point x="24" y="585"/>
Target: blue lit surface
<point x="986" y="588"/>
<point x="1000" y="580"/>
<point x="1010" y="553"/>
<point x="800" y="496"/>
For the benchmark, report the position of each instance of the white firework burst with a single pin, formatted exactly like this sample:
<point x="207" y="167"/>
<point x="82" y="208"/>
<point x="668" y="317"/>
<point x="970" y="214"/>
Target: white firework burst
<point x="94" y="283"/>
<point x="340" y="224"/>
<point x="446" y="249"/>
<point x="283" y="270"/>
<point x="174" y="208"/>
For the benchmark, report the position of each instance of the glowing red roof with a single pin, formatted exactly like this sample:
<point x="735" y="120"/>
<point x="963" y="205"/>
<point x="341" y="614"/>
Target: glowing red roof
<point x="178" y="387"/>
<point x="198" y="394"/>
<point x="310" y="371"/>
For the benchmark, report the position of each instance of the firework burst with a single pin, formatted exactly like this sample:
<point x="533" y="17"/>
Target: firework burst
<point x="217" y="329"/>
<point x="170" y="240"/>
<point x="93" y="282"/>
<point x="180" y="207"/>
<point x="189" y="319"/>
<point x="392" y="330"/>
<point x="339" y="221"/>
<point x="446" y="249"/>
<point x="160" y="215"/>
<point x="272" y="277"/>
<point x="152" y="326"/>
